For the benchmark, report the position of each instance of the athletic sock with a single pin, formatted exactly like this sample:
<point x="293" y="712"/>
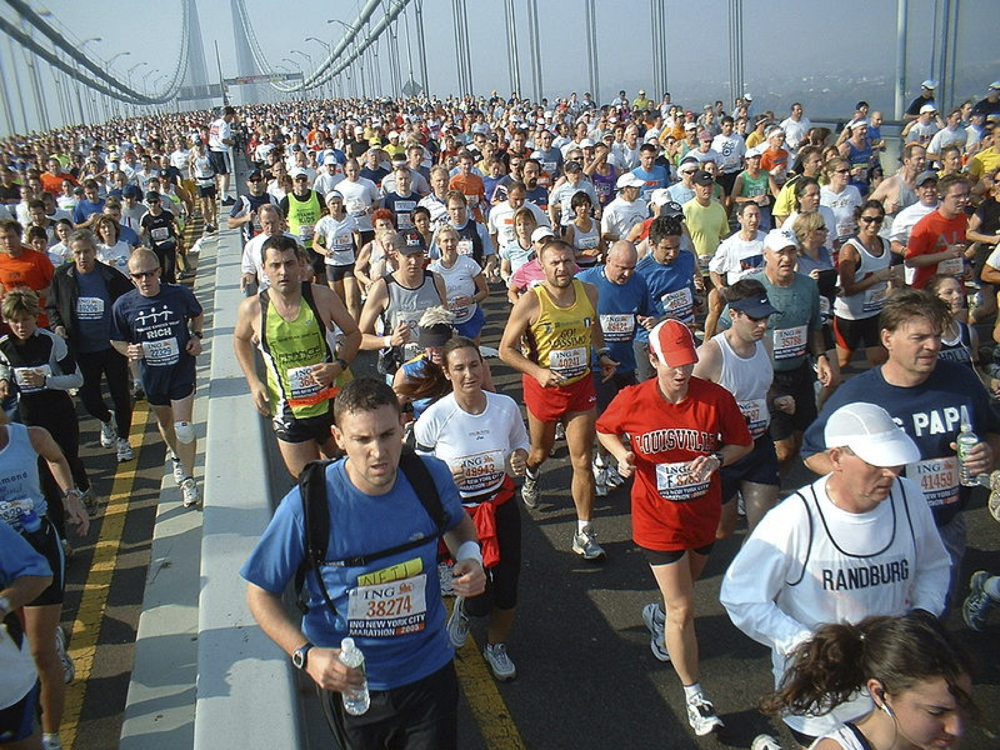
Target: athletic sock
<point x="582" y="526"/>
<point x="692" y="692"/>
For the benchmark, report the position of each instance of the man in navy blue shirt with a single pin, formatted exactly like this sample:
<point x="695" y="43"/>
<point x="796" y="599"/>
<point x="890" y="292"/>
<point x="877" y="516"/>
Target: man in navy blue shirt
<point x="928" y="398"/>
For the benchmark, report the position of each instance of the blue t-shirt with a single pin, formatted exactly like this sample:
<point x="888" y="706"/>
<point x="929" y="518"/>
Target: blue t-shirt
<point x="671" y="287"/>
<point x="129" y="235"/>
<point x="657" y="177"/>
<point x="930" y="413"/>
<point x="160" y="324"/>
<point x="86" y="208"/>
<point x="618" y="305"/>
<point x="18" y="558"/>
<point x="93" y="313"/>
<point x="361" y="523"/>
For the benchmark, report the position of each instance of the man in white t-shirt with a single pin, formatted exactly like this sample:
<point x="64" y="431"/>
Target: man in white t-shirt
<point x="220" y="141"/>
<point x="858" y="542"/>
<point x="501" y="219"/>
<point x="796" y="127"/>
<point x="626" y="210"/>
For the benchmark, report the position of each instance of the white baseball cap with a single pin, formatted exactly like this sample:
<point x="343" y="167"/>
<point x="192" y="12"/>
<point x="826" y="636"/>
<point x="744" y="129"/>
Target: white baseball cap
<point x="871" y="433"/>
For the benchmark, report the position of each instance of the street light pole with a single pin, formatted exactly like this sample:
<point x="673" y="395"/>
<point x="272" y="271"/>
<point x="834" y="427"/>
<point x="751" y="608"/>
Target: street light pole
<point x="329" y="51"/>
<point x="306" y="56"/>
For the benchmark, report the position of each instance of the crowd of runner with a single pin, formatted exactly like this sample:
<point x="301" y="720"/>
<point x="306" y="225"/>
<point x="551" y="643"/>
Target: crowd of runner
<point x="684" y="294"/>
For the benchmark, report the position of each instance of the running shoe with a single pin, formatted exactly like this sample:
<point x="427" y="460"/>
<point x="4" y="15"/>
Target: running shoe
<point x="977" y="605"/>
<point x="228" y="201"/>
<point x="178" y="469"/>
<point x="994" y="505"/>
<point x="586" y="546"/>
<point x="702" y="717"/>
<point x="500" y="664"/>
<point x="89" y="500"/>
<point x="138" y="394"/>
<point x="458" y="623"/>
<point x="109" y="435"/>
<point x="560" y="431"/>
<point x="189" y="491"/>
<point x="600" y="477"/>
<point x="51" y="742"/>
<point x="529" y="490"/>
<point x="69" y="668"/>
<point x="765" y="742"/>
<point x="125" y="452"/>
<point x="652" y="615"/>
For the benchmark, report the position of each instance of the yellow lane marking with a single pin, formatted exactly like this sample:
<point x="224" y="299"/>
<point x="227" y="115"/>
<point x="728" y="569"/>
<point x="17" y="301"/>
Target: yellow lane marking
<point x="492" y="715"/>
<point x="87" y="626"/>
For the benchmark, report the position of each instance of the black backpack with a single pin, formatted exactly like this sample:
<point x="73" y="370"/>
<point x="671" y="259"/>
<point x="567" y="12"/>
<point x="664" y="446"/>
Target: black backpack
<point x="316" y="511"/>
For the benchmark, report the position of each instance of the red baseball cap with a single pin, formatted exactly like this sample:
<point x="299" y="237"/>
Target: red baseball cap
<point x="673" y="344"/>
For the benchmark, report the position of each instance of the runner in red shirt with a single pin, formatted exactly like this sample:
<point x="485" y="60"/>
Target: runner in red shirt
<point x="937" y="243"/>
<point x="23" y="266"/>
<point x="680" y="431"/>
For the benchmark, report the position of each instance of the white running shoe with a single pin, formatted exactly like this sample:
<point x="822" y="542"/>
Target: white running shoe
<point x="125" y="452"/>
<point x="178" y="469"/>
<point x="500" y="664"/>
<point x="586" y="546"/>
<point x="702" y="716"/>
<point x="109" y="435"/>
<point x="458" y="624"/>
<point x="69" y="668"/>
<point x="656" y="621"/>
<point x="189" y="490"/>
<point x="765" y="742"/>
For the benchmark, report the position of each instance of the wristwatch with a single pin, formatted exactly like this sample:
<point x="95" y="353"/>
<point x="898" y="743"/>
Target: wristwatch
<point x="342" y="362"/>
<point x="301" y="656"/>
<point x="718" y="457"/>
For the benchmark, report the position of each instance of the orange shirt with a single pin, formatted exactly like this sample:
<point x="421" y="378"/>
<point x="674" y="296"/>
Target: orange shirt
<point x="53" y="183"/>
<point x="933" y="234"/>
<point x="31" y="269"/>
<point x="474" y="190"/>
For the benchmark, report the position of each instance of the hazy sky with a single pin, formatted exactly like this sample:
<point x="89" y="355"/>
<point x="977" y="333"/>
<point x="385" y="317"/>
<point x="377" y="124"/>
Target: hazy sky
<point x="786" y="44"/>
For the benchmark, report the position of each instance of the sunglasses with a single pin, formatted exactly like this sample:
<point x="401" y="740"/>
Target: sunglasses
<point x="144" y="274"/>
<point x="872" y="219"/>
<point x="841" y="171"/>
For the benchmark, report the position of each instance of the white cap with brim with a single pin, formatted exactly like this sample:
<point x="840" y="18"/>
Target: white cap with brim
<point x="870" y="432"/>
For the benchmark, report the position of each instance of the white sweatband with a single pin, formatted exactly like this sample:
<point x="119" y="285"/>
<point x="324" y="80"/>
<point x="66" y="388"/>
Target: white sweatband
<point x="386" y="341"/>
<point x="469" y="551"/>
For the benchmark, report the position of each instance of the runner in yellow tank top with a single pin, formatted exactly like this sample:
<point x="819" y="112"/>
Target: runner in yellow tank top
<point x="559" y="323"/>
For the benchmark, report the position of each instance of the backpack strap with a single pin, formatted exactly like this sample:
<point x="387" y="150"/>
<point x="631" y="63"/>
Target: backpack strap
<point x="809" y="518"/>
<point x="316" y="518"/>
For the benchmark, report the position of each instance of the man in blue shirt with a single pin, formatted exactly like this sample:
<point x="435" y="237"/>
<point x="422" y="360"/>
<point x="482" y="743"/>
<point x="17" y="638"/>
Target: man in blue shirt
<point x="927" y="397"/>
<point x="654" y="175"/>
<point x="373" y="508"/>
<point x="669" y="275"/>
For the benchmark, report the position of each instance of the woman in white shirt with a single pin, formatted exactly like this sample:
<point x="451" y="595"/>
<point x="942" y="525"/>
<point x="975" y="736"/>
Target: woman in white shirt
<point x="481" y="436"/>
<point x="465" y="284"/>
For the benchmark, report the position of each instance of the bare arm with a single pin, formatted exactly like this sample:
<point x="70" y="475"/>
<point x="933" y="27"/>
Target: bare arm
<point x="243" y="337"/>
<point x="46" y="447"/>
<point x="525" y="309"/>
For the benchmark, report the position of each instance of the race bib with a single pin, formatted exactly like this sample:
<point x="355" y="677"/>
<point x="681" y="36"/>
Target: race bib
<point x="89" y="308"/>
<point x="160" y="233"/>
<point x="789" y="343"/>
<point x="465" y="247"/>
<point x="679" y="304"/>
<point x="568" y="362"/>
<point x="161" y="353"/>
<point x="951" y="267"/>
<point x="875" y="297"/>
<point x="303" y="388"/>
<point x="341" y="242"/>
<point x="21" y="373"/>
<point x="755" y="412"/>
<point x="461" y="313"/>
<point x="356" y="208"/>
<point x="12" y="510"/>
<point x="384" y="610"/>
<point x="618" y="327"/>
<point x="938" y="478"/>
<point x="481" y="471"/>
<point x="675" y="482"/>
<point x="589" y="242"/>
<point x="306" y="232"/>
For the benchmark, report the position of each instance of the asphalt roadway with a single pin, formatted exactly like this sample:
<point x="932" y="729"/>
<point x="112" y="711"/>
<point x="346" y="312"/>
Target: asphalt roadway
<point x="586" y="676"/>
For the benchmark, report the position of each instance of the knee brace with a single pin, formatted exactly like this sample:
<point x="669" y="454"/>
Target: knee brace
<point x="185" y="432"/>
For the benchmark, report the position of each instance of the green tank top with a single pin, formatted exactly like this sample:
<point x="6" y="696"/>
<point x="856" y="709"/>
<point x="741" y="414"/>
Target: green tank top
<point x="303" y="216"/>
<point x="754" y="186"/>
<point x="290" y="349"/>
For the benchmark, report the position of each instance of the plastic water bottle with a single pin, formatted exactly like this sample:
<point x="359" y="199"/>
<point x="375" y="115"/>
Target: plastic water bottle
<point x="356" y="702"/>
<point x="31" y="528"/>
<point x="966" y="440"/>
